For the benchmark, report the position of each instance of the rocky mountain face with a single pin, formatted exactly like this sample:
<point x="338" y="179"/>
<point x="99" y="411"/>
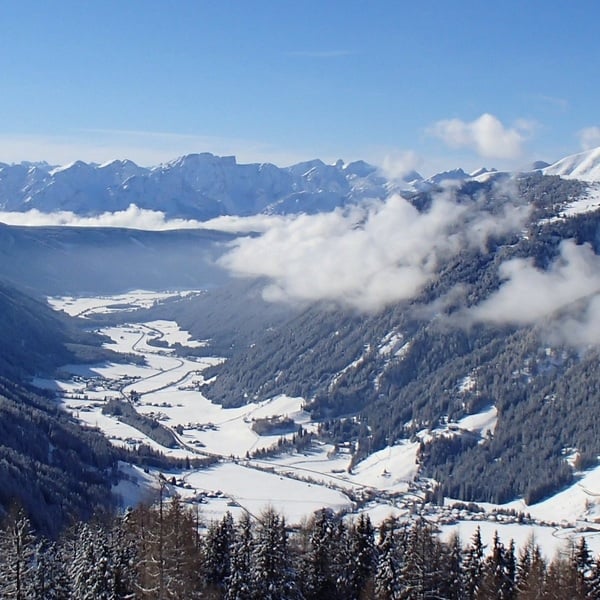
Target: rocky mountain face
<point x="197" y="186"/>
<point x="202" y="186"/>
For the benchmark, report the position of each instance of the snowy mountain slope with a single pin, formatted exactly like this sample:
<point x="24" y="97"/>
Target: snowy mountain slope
<point x="584" y="166"/>
<point x="203" y="186"/>
<point x="198" y="186"/>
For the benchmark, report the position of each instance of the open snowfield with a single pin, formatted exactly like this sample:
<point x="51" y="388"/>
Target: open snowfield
<point x="296" y="484"/>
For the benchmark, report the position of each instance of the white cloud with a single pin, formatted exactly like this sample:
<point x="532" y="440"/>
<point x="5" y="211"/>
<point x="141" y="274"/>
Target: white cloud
<point x="397" y="164"/>
<point x="589" y="137"/>
<point x="132" y="218"/>
<point x="486" y="135"/>
<point x="365" y="258"/>
<point x="564" y="299"/>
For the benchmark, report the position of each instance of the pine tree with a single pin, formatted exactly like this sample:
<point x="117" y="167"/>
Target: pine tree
<point x="238" y="584"/>
<point x="49" y="580"/>
<point x="341" y="560"/>
<point x="452" y="588"/>
<point x="318" y="576"/>
<point x="582" y="565"/>
<point x="273" y="574"/>
<point x="499" y="572"/>
<point x="473" y="566"/>
<point x="530" y="571"/>
<point x="17" y="552"/>
<point x="594" y="581"/>
<point x="124" y="556"/>
<point x="91" y="567"/>
<point x="217" y="553"/>
<point x="362" y="553"/>
<point x="387" y="574"/>
<point x="421" y="574"/>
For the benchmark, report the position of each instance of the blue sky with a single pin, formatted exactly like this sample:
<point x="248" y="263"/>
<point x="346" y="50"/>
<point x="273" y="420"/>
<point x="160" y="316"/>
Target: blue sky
<point x="428" y="84"/>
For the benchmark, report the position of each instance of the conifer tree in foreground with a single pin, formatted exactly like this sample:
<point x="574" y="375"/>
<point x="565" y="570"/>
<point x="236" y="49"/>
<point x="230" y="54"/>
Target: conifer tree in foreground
<point x="17" y="552"/>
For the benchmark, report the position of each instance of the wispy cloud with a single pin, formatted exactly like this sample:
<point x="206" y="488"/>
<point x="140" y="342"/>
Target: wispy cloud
<point x="589" y="137"/>
<point x="556" y="102"/>
<point x="398" y="164"/>
<point x="486" y="135"/>
<point x="564" y="299"/>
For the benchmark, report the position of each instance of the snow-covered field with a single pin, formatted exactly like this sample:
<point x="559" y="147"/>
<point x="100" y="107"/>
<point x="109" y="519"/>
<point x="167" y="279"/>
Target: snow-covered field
<point x="168" y="387"/>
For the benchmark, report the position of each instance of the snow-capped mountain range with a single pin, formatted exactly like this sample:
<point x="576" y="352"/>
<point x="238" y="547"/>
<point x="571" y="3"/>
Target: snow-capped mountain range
<point x="202" y="186"/>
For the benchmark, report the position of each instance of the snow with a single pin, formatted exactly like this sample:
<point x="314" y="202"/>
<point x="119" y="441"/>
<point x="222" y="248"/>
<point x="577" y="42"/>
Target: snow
<point x="389" y="343"/>
<point x="135" y="487"/>
<point x="255" y="490"/>
<point x="386" y="482"/>
<point x="392" y="468"/>
<point x="468" y="384"/>
<point x="578" y="501"/>
<point x="584" y="166"/>
<point x="80" y="306"/>
<point x="551" y="540"/>
<point x="482" y="422"/>
<point x="585" y="204"/>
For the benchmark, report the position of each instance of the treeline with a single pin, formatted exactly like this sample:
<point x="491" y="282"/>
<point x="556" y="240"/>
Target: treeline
<point x="126" y="413"/>
<point x="163" y="552"/>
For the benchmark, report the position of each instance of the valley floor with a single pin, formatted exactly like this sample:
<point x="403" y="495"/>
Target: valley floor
<point x="167" y="387"/>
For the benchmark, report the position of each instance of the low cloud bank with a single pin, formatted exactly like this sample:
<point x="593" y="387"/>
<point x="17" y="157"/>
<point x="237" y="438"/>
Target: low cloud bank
<point x="366" y="257"/>
<point x="564" y="299"/>
<point x="132" y="218"/>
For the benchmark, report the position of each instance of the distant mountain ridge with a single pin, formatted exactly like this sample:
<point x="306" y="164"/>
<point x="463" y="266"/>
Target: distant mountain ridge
<point x="203" y="186"/>
<point x="197" y="186"/>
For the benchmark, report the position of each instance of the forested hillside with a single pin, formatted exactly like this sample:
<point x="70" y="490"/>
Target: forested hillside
<point x="403" y="370"/>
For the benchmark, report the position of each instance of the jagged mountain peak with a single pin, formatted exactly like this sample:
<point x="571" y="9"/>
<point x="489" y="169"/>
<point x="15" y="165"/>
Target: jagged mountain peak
<point x="75" y="166"/>
<point x="204" y="185"/>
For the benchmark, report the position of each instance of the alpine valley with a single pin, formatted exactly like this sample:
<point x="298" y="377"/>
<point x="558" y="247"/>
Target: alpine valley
<point x="317" y="336"/>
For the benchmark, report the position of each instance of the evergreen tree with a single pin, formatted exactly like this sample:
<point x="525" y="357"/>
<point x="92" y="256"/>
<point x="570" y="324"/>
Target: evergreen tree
<point x="17" y="552"/>
<point x="473" y="566"/>
<point x="452" y="588"/>
<point x="49" y="578"/>
<point x="362" y="554"/>
<point x="594" y="581"/>
<point x="318" y="577"/>
<point x="387" y="574"/>
<point x="499" y="572"/>
<point x="91" y="568"/>
<point x="238" y="584"/>
<point x="217" y="553"/>
<point x="421" y="573"/>
<point x="530" y="571"/>
<point x="582" y="564"/>
<point x="124" y="556"/>
<point x="273" y="574"/>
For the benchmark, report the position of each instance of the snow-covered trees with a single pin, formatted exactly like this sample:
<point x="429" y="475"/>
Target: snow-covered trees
<point x="164" y="552"/>
<point x="17" y="553"/>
